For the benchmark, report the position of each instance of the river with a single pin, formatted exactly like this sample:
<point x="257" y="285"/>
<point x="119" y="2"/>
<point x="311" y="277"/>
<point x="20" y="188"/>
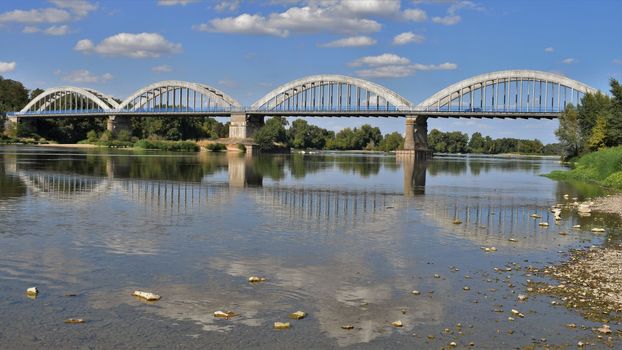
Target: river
<point x="345" y="238"/>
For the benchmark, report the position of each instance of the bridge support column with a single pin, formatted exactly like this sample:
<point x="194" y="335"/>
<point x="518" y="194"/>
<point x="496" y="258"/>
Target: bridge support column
<point x="118" y="123"/>
<point x="416" y="138"/>
<point x="244" y="126"/>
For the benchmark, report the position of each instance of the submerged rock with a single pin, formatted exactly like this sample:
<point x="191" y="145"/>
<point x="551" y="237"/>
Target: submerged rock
<point x="146" y="295"/>
<point x="75" y="320"/>
<point x="224" y="314"/>
<point x="298" y="315"/>
<point x="255" y="279"/>
<point x="281" y="325"/>
<point x="32" y="291"/>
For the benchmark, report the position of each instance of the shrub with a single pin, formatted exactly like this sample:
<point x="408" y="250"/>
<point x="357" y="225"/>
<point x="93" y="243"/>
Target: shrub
<point x="216" y="147"/>
<point x="179" y="146"/>
<point x="241" y="147"/>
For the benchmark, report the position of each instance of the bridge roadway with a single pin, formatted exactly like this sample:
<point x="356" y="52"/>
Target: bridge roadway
<point x="511" y="94"/>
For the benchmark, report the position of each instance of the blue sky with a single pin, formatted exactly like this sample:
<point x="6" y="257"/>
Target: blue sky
<point x="247" y="48"/>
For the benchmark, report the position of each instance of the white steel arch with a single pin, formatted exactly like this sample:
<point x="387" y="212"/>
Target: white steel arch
<point x="51" y="95"/>
<point x="150" y="92"/>
<point x="287" y="90"/>
<point x="448" y="94"/>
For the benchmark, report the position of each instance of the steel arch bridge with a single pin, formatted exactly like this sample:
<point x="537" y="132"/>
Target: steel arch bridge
<point x="503" y="94"/>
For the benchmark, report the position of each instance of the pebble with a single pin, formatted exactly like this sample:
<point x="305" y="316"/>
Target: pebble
<point x="397" y="323"/>
<point x="298" y="315"/>
<point x="146" y="295"/>
<point x="466" y="288"/>
<point x="598" y="230"/>
<point x="223" y="314"/>
<point x="544" y="224"/>
<point x="255" y="279"/>
<point x="604" y="329"/>
<point x="576" y="226"/>
<point x="281" y="325"/>
<point x="74" y="320"/>
<point x="416" y="292"/>
<point x="347" y="327"/>
<point x="522" y="297"/>
<point x="32" y="291"/>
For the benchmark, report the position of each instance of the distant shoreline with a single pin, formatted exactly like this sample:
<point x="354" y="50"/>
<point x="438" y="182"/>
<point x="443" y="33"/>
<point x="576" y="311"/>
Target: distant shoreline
<point x="68" y="145"/>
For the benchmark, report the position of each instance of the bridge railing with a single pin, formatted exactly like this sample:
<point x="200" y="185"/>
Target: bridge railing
<point x="407" y="110"/>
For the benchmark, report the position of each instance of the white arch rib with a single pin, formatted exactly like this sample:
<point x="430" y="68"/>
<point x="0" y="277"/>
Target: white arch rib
<point x="504" y="75"/>
<point x="305" y="83"/>
<point x="200" y="88"/>
<point x="93" y="95"/>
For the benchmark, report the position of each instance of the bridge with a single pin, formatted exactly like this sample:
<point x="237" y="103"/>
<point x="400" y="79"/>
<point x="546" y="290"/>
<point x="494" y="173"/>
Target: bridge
<point x="509" y="94"/>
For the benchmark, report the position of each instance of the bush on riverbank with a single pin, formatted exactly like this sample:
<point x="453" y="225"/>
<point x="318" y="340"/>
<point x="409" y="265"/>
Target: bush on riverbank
<point x="603" y="166"/>
<point x="216" y="147"/>
<point x="177" y="146"/>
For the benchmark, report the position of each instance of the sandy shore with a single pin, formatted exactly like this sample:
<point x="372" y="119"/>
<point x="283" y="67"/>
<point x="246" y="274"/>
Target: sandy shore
<point x="68" y="145"/>
<point x="609" y="204"/>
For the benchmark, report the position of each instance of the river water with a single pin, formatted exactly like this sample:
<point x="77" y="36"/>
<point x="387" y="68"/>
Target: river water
<point x="344" y="238"/>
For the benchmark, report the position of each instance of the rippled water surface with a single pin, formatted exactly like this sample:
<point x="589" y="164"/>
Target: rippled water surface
<point x="344" y="238"/>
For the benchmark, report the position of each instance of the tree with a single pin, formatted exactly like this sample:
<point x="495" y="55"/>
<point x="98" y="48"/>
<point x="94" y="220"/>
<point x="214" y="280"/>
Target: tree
<point x="598" y="135"/>
<point x="391" y="142"/>
<point x="272" y="132"/>
<point x="13" y="97"/>
<point x="477" y="143"/>
<point x="614" y="117"/>
<point x="569" y="132"/>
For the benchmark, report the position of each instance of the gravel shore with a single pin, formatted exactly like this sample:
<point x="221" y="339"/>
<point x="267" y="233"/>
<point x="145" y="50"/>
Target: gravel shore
<point x="609" y="204"/>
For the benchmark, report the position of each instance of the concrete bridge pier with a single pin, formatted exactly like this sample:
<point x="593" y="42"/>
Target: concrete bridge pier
<point x="244" y="126"/>
<point x="416" y="138"/>
<point x="118" y="123"/>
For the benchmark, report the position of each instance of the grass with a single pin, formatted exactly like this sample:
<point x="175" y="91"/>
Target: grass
<point x="603" y="167"/>
<point x="177" y="146"/>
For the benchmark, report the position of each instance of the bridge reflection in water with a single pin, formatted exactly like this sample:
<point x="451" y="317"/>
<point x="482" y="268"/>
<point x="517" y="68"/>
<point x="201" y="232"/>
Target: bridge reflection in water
<point x="487" y="216"/>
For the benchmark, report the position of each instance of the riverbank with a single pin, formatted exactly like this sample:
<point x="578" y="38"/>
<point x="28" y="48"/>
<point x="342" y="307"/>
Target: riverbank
<point x="68" y="145"/>
<point x="603" y="167"/>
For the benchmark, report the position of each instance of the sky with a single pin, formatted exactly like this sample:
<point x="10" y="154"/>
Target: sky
<point x="249" y="47"/>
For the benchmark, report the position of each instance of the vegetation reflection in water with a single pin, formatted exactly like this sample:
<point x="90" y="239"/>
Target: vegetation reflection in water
<point x="346" y="238"/>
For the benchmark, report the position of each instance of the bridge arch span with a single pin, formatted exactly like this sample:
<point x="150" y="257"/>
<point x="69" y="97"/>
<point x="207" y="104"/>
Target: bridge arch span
<point x="332" y="92"/>
<point x="64" y="98"/>
<point x="513" y="90"/>
<point x="176" y="93"/>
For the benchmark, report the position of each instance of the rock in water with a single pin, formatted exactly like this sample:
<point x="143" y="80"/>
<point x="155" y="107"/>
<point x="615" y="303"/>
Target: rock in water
<point x="32" y="291"/>
<point x="598" y="230"/>
<point x="223" y="314"/>
<point x="544" y="224"/>
<point x="74" y="320"/>
<point x="347" y="327"/>
<point x="146" y="295"/>
<point x="298" y="315"/>
<point x="255" y="279"/>
<point x="584" y="208"/>
<point x="604" y="329"/>
<point x="281" y="325"/>
<point x="397" y="323"/>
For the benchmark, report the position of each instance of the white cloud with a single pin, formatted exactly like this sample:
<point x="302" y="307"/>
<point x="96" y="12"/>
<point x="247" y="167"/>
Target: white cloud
<point x="142" y="45"/>
<point x="175" y="2"/>
<point x="352" y="41"/>
<point x="569" y="60"/>
<point x="34" y="16"/>
<point x="324" y="16"/>
<point x="371" y="7"/>
<point x="549" y="49"/>
<point x="57" y="30"/>
<point x="6" y="67"/>
<point x="163" y="68"/>
<point x="415" y="15"/>
<point x="617" y="61"/>
<point x="447" y="20"/>
<point x="84" y="76"/>
<point x="452" y="12"/>
<point x="386" y="72"/>
<point x="228" y="5"/>
<point x="442" y="66"/>
<point x="79" y="7"/>
<point x="408" y="37"/>
<point x="380" y="60"/>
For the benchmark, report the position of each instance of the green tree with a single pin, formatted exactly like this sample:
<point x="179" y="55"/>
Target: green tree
<point x="614" y="118"/>
<point x="391" y="142"/>
<point x="569" y="132"/>
<point x="271" y="133"/>
<point x="598" y="136"/>
<point x="477" y="143"/>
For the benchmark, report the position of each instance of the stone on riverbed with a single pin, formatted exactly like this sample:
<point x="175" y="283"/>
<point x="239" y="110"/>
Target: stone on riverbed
<point x="298" y="315"/>
<point x="146" y="295"/>
<point x="74" y="320"/>
<point x="397" y="323"/>
<point x="281" y="325"/>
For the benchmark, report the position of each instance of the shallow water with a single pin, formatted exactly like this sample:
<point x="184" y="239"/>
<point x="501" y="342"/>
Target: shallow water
<point x="345" y="238"/>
